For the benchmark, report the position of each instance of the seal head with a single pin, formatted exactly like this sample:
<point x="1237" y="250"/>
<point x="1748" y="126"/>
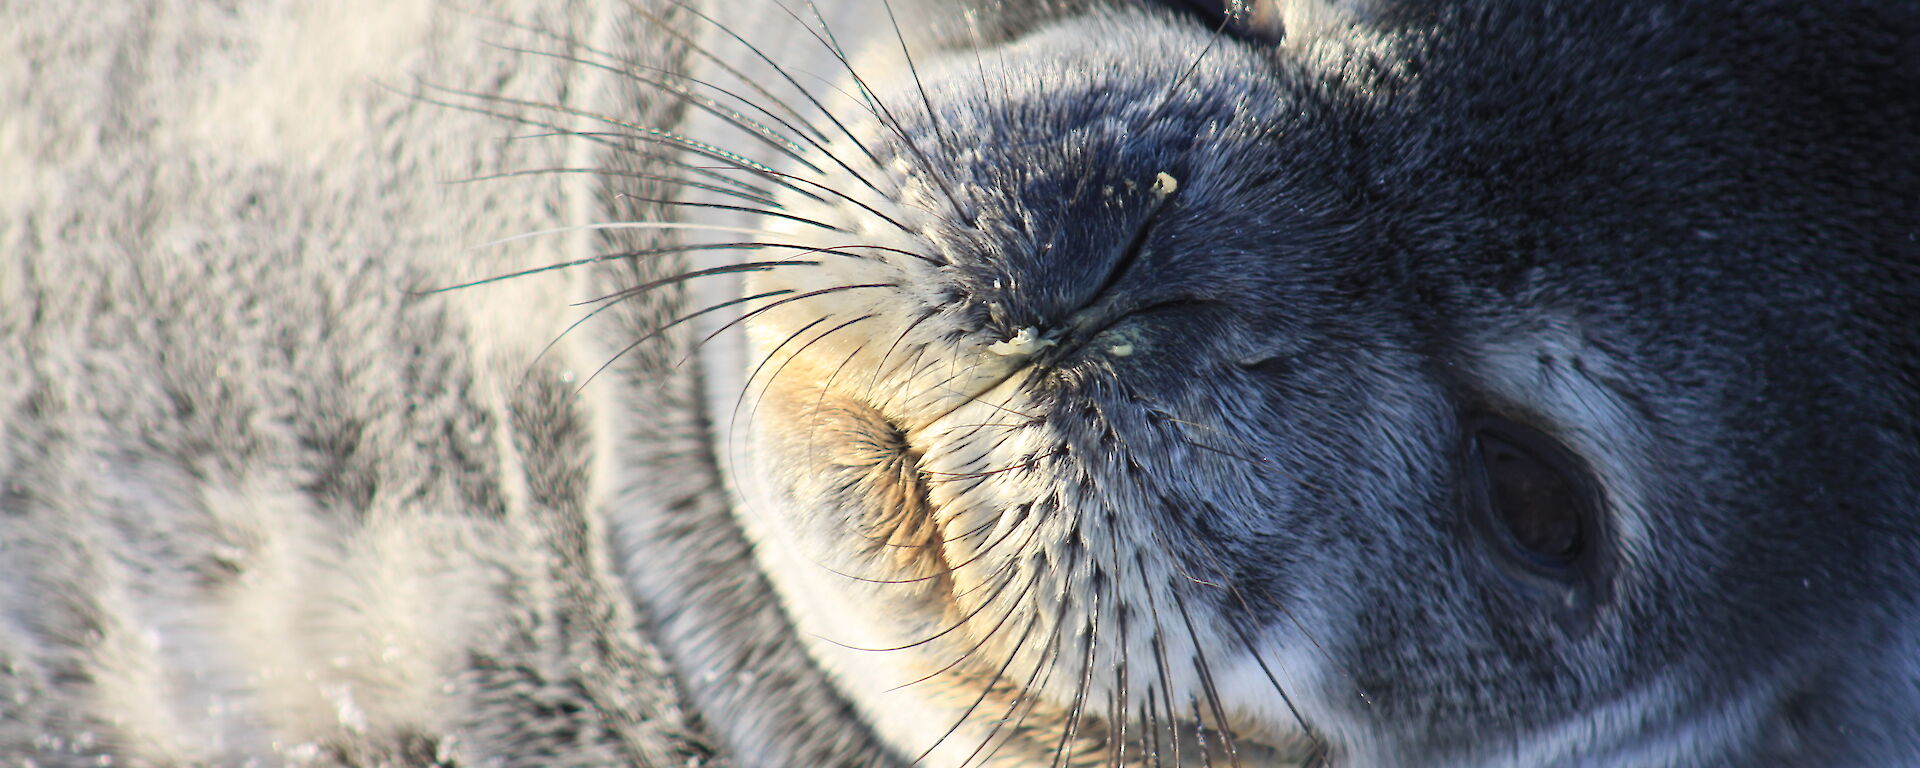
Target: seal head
<point x="1499" y="385"/>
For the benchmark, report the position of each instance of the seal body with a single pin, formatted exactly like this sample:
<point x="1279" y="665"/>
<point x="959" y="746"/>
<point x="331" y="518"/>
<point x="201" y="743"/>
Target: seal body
<point x="1104" y="382"/>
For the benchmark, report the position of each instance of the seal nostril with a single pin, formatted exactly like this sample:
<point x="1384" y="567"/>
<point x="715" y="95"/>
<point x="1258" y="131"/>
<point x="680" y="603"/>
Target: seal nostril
<point x="1084" y="335"/>
<point x="1164" y="188"/>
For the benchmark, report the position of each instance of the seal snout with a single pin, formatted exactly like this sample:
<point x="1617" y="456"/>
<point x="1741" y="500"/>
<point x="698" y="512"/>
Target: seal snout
<point x="1109" y="303"/>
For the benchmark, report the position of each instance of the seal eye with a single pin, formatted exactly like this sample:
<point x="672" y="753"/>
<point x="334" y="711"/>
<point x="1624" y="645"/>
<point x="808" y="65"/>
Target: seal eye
<point x="1532" y="497"/>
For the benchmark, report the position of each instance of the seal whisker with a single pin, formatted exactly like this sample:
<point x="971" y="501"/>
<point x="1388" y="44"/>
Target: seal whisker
<point x="766" y="359"/>
<point x="1026" y="701"/>
<point x="648" y="336"/>
<point x="948" y="477"/>
<point x="826" y="386"/>
<point x="976" y="557"/>
<point x="753" y="412"/>
<point x="1010" y="564"/>
<point x="1200" y="734"/>
<point x="949" y="571"/>
<point x="1150" y="726"/>
<point x="1171" y="90"/>
<point x="740" y="208"/>
<point x="989" y="449"/>
<point x="595" y="259"/>
<point x="979" y="397"/>
<point x="973" y="427"/>
<point x="887" y="249"/>
<point x="863" y="206"/>
<point x="1272" y="679"/>
<point x="663" y="225"/>
<point x="767" y="202"/>
<point x="880" y="366"/>
<point x="747" y="385"/>
<point x="976" y="530"/>
<point x="1213" y="561"/>
<point x="1212" y="693"/>
<point x="729" y="325"/>
<point x="603" y="138"/>
<point x="628" y="144"/>
<point x="884" y="114"/>
<point x="979" y="65"/>
<point x="981" y="643"/>
<point x="753" y="82"/>
<point x="634" y="132"/>
<point x="809" y="134"/>
<point x="681" y="277"/>
<point x="1063" y="752"/>
<point x="754" y="128"/>
<point x="1118" y="712"/>
<point x="986" y="690"/>
<point x="1162" y="668"/>
<point x="941" y="138"/>
<point x="781" y="141"/>
<point x="949" y="629"/>
<point x="628" y="293"/>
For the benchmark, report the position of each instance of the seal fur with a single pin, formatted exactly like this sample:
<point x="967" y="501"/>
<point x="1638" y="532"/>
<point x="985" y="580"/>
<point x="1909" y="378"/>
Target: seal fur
<point x="1406" y="217"/>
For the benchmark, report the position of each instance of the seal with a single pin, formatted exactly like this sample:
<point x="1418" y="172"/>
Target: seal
<point x="1369" y="384"/>
<point x="1099" y="382"/>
